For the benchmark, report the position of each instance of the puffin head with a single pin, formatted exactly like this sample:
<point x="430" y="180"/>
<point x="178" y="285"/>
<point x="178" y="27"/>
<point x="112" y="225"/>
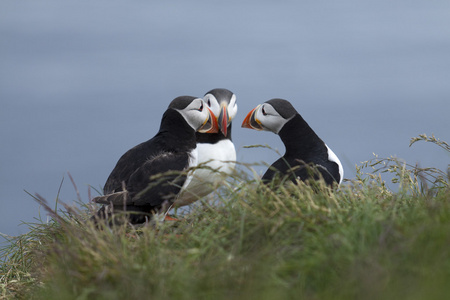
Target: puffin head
<point x="272" y="115"/>
<point x="196" y="113"/>
<point x="222" y="103"/>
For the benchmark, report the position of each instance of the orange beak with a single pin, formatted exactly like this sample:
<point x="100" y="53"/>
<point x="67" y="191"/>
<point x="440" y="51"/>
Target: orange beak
<point x="223" y="118"/>
<point x="210" y="125"/>
<point x="251" y="121"/>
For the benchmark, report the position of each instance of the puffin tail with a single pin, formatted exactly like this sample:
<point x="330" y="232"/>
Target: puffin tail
<point x="116" y="199"/>
<point x="109" y="201"/>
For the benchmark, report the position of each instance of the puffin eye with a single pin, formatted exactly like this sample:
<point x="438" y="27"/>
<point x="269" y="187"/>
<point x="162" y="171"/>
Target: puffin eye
<point x="201" y="107"/>
<point x="209" y="102"/>
<point x="263" y="111"/>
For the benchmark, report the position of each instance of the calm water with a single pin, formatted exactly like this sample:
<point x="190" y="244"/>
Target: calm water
<point x="82" y="82"/>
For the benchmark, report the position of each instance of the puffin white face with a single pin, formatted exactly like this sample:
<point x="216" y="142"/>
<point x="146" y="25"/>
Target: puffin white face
<point x="223" y="110"/>
<point x="199" y="116"/>
<point x="232" y="108"/>
<point x="212" y="103"/>
<point x="265" y="117"/>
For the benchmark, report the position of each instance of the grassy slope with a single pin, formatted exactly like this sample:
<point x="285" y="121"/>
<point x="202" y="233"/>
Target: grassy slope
<point x="361" y="242"/>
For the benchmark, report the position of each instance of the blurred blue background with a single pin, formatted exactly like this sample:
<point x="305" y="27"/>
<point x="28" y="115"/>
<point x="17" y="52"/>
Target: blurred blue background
<point x="83" y="81"/>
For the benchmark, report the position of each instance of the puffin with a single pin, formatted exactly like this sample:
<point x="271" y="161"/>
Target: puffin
<point x="216" y="151"/>
<point x="306" y="154"/>
<point x="149" y="177"/>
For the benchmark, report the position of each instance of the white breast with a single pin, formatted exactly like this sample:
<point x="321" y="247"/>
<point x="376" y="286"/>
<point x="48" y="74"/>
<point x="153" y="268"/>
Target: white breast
<point x="193" y="162"/>
<point x="333" y="157"/>
<point x="220" y="156"/>
<point x="215" y="162"/>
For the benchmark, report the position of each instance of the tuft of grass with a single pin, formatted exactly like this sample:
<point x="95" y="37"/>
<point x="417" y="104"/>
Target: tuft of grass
<point x="361" y="241"/>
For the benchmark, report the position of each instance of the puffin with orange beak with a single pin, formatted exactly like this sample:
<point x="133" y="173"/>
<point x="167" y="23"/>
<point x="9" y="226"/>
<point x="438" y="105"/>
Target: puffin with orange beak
<point x="216" y="151"/>
<point x="304" y="148"/>
<point x="150" y="178"/>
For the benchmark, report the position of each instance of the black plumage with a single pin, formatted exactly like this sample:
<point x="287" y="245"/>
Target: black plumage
<point x="306" y="156"/>
<point x="148" y="177"/>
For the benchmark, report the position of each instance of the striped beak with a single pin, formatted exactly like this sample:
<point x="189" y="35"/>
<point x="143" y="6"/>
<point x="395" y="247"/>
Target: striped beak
<point x="223" y="118"/>
<point x="251" y="121"/>
<point x="210" y="124"/>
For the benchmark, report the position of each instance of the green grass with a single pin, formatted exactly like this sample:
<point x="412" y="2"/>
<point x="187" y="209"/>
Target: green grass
<point x="362" y="241"/>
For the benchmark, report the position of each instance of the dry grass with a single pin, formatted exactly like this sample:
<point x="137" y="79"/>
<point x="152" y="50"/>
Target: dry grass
<point x="363" y="241"/>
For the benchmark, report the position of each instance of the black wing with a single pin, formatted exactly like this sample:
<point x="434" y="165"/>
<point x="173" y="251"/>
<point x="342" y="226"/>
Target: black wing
<point x="158" y="179"/>
<point x="296" y="169"/>
<point x="128" y="164"/>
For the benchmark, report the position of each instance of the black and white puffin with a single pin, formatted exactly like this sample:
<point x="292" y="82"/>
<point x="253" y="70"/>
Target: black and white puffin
<point x="303" y="146"/>
<point x="216" y="151"/>
<point x="131" y="187"/>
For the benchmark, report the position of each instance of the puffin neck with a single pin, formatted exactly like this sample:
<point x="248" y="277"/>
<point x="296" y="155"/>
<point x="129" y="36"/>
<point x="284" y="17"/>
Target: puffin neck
<point x="298" y="137"/>
<point x="175" y="130"/>
<point x="212" y="137"/>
